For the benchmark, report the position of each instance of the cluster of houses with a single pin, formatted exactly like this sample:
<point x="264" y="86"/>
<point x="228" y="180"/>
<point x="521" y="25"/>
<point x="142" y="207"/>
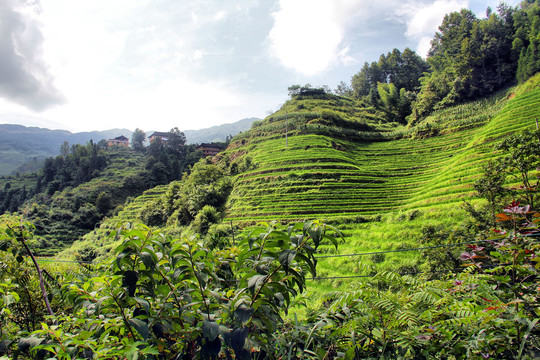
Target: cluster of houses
<point x="208" y="149"/>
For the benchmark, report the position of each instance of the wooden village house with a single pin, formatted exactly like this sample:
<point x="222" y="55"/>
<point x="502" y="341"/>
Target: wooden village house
<point x="118" y="141"/>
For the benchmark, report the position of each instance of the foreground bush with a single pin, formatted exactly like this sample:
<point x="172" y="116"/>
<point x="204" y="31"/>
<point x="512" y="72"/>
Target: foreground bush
<point x="165" y="298"/>
<point x="173" y="298"/>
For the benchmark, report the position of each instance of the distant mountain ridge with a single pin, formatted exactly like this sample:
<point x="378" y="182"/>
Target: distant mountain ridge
<point x="20" y="145"/>
<point x="218" y="133"/>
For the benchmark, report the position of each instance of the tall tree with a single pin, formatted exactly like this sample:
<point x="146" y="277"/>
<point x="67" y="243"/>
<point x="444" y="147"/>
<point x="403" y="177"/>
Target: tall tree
<point x="404" y="70"/>
<point x="343" y="90"/>
<point x="526" y="45"/>
<point x="177" y="139"/>
<point x="64" y="149"/>
<point x="469" y="58"/>
<point x="137" y="139"/>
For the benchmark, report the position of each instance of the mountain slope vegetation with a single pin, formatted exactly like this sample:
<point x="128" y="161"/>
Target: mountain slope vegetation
<point x="312" y="174"/>
<point x="418" y="266"/>
<point x="24" y="149"/>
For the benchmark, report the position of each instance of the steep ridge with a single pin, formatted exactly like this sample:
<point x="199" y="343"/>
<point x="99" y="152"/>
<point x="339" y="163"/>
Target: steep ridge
<point x="320" y="170"/>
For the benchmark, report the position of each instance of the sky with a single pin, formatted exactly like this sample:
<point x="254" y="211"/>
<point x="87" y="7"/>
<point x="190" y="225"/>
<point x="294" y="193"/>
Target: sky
<point x="83" y="65"/>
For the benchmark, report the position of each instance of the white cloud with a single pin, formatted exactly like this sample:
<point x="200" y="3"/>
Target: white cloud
<point x="180" y="101"/>
<point x="25" y="78"/>
<point x="220" y="15"/>
<point x="345" y="58"/>
<point x="423" y="19"/>
<point x="122" y="69"/>
<point x="307" y="35"/>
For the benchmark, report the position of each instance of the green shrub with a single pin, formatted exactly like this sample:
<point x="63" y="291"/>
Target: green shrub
<point x="204" y="219"/>
<point x="153" y="214"/>
<point x="158" y="289"/>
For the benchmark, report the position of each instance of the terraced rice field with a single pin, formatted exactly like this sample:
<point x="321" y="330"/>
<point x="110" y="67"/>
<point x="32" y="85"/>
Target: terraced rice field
<point x="381" y="194"/>
<point x="323" y="177"/>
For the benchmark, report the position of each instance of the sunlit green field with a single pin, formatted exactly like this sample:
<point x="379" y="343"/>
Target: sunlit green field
<point x="380" y="194"/>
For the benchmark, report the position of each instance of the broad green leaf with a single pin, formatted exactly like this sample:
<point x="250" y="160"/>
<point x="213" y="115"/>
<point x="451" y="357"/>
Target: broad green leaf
<point x="140" y="326"/>
<point x="332" y="239"/>
<point x="311" y="262"/>
<point x="199" y="254"/>
<point x="145" y="304"/>
<point x="148" y="260"/>
<point x="243" y="314"/>
<point x="28" y="343"/>
<point x="316" y="235"/>
<point x="210" y="330"/>
<point x="203" y="278"/>
<point x="255" y="281"/>
<point x="286" y="258"/>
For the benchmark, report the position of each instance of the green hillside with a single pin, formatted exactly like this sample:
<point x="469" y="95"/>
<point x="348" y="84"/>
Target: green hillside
<point x="385" y="193"/>
<point x="331" y="176"/>
<point x="372" y="206"/>
<point x="382" y="184"/>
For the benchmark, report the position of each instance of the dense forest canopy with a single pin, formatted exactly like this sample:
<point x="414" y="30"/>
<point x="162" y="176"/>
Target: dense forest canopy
<point x="469" y="58"/>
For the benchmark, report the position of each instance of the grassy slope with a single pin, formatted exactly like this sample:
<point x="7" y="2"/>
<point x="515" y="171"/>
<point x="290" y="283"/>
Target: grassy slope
<point x="332" y="177"/>
<point x="381" y="193"/>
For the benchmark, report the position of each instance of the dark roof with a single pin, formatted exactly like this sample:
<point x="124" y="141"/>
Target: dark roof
<point x="212" y="145"/>
<point x="311" y="91"/>
<point x="121" y="138"/>
<point x="159" y="133"/>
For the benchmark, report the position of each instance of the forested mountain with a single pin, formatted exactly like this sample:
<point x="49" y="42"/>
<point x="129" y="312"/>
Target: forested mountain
<point x="23" y="149"/>
<point x="73" y="191"/>
<point x="20" y="144"/>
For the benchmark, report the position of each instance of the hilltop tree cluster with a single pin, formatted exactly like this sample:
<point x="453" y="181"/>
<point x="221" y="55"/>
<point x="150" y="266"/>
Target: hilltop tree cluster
<point x="200" y="196"/>
<point x="76" y="165"/>
<point x="469" y="58"/>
